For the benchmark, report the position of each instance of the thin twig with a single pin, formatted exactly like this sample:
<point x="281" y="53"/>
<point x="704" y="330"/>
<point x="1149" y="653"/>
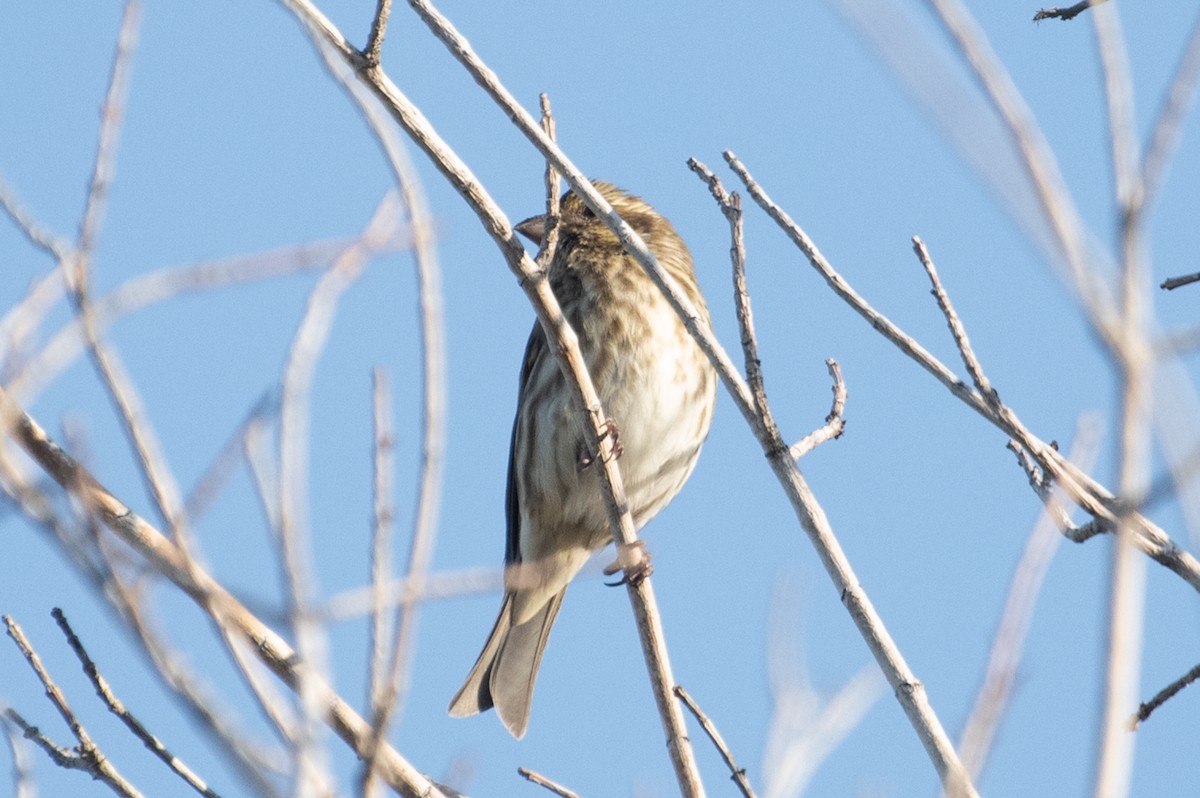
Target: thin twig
<point x="1168" y="127"/>
<point x="737" y="774"/>
<point x="22" y="772"/>
<point x="383" y="9"/>
<point x="293" y="440"/>
<point x="835" y="422"/>
<point x="382" y="632"/>
<point x="1171" y="283"/>
<point x="433" y="398"/>
<point x="118" y="708"/>
<point x="1070" y="12"/>
<point x="957" y="330"/>
<point x="251" y="762"/>
<point x="165" y="558"/>
<point x="731" y="209"/>
<point x="549" y="243"/>
<point x="542" y="781"/>
<point x="219" y="470"/>
<point x="87" y="756"/>
<point x="1094" y="498"/>
<point x="38" y="235"/>
<point x="1161" y="697"/>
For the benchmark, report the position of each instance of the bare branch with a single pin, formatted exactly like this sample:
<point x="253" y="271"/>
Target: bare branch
<point x="1171" y="283"/>
<point x="166" y="559"/>
<point x="974" y="368"/>
<point x="303" y="356"/>
<point x="1082" y="489"/>
<point x="1169" y="126"/>
<point x="737" y="774"/>
<point x="1162" y="696"/>
<point x="1070" y="12"/>
<point x="835" y="422"/>
<point x="542" y="781"/>
<point x="23" y="784"/>
<point x="87" y="756"/>
<point x="37" y="235"/>
<point x="383" y="9"/>
<point x="131" y="722"/>
<point x="383" y="466"/>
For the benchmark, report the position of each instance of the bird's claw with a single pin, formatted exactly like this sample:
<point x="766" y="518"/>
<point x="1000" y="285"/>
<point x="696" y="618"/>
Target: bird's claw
<point x="633" y="563"/>
<point x="587" y="458"/>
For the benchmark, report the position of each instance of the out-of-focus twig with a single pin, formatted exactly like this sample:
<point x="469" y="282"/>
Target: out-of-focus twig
<point x="166" y="559"/>
<point x="995" y="691"/>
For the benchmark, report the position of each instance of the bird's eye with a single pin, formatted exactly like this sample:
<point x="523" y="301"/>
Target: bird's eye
<point x="587" y="213"/>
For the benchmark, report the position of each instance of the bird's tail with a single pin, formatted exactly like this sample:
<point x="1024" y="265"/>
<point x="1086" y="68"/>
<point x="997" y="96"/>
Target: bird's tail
<point x="506" y="670"/>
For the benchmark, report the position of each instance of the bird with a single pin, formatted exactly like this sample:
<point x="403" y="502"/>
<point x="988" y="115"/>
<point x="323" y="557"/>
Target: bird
<point x="656" y="385"/>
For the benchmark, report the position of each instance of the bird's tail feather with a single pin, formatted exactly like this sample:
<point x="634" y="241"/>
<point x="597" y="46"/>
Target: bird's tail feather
<point x="506" y="670"/>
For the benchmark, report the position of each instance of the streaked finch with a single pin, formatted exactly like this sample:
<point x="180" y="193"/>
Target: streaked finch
<point x="653" y="381"/>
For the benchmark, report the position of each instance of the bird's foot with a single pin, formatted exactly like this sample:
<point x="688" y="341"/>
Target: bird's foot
<point x="587" y="458"/>
<point x="633" y="563"/>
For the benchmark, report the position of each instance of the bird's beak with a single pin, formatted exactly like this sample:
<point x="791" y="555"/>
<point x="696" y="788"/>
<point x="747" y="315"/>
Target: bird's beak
<point x="533" y="228"/>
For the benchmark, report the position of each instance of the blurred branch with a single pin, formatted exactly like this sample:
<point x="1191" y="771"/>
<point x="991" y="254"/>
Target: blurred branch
<point x="165" y="558"/>
<point x="388" y="702"/>
<point x="308" y="343"/>
<point x="1168" y="128"/>
<point x="22" y="775"/>
<point x="1036" y="160"/>
<point x="908" y="689"/>
<point x="383" y="466"/>
<point x="995" y="691"/>
<point x="806" y="725"/>
<point x="1133" y="358"/>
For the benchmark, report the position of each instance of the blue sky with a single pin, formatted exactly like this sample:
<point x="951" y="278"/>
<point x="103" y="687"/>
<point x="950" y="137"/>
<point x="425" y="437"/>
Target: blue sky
<point x="236" y="141"/>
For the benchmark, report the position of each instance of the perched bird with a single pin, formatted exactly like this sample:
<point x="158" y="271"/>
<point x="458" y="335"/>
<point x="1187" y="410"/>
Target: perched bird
<point x="653" y="381"/>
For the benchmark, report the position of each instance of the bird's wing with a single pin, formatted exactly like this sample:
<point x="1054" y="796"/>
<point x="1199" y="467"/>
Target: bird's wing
<point x="534" y="350"/>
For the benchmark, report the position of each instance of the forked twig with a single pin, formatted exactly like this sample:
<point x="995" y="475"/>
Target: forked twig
<point x="87" y="756"/>
<point x="118" y="708"/>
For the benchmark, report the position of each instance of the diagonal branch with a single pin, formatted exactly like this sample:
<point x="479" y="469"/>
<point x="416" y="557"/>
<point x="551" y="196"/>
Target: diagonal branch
<point x="166" y="558"/>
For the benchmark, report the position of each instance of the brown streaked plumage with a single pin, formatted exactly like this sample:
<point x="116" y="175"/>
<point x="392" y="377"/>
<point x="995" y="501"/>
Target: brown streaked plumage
<point x="654" y="383"/>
